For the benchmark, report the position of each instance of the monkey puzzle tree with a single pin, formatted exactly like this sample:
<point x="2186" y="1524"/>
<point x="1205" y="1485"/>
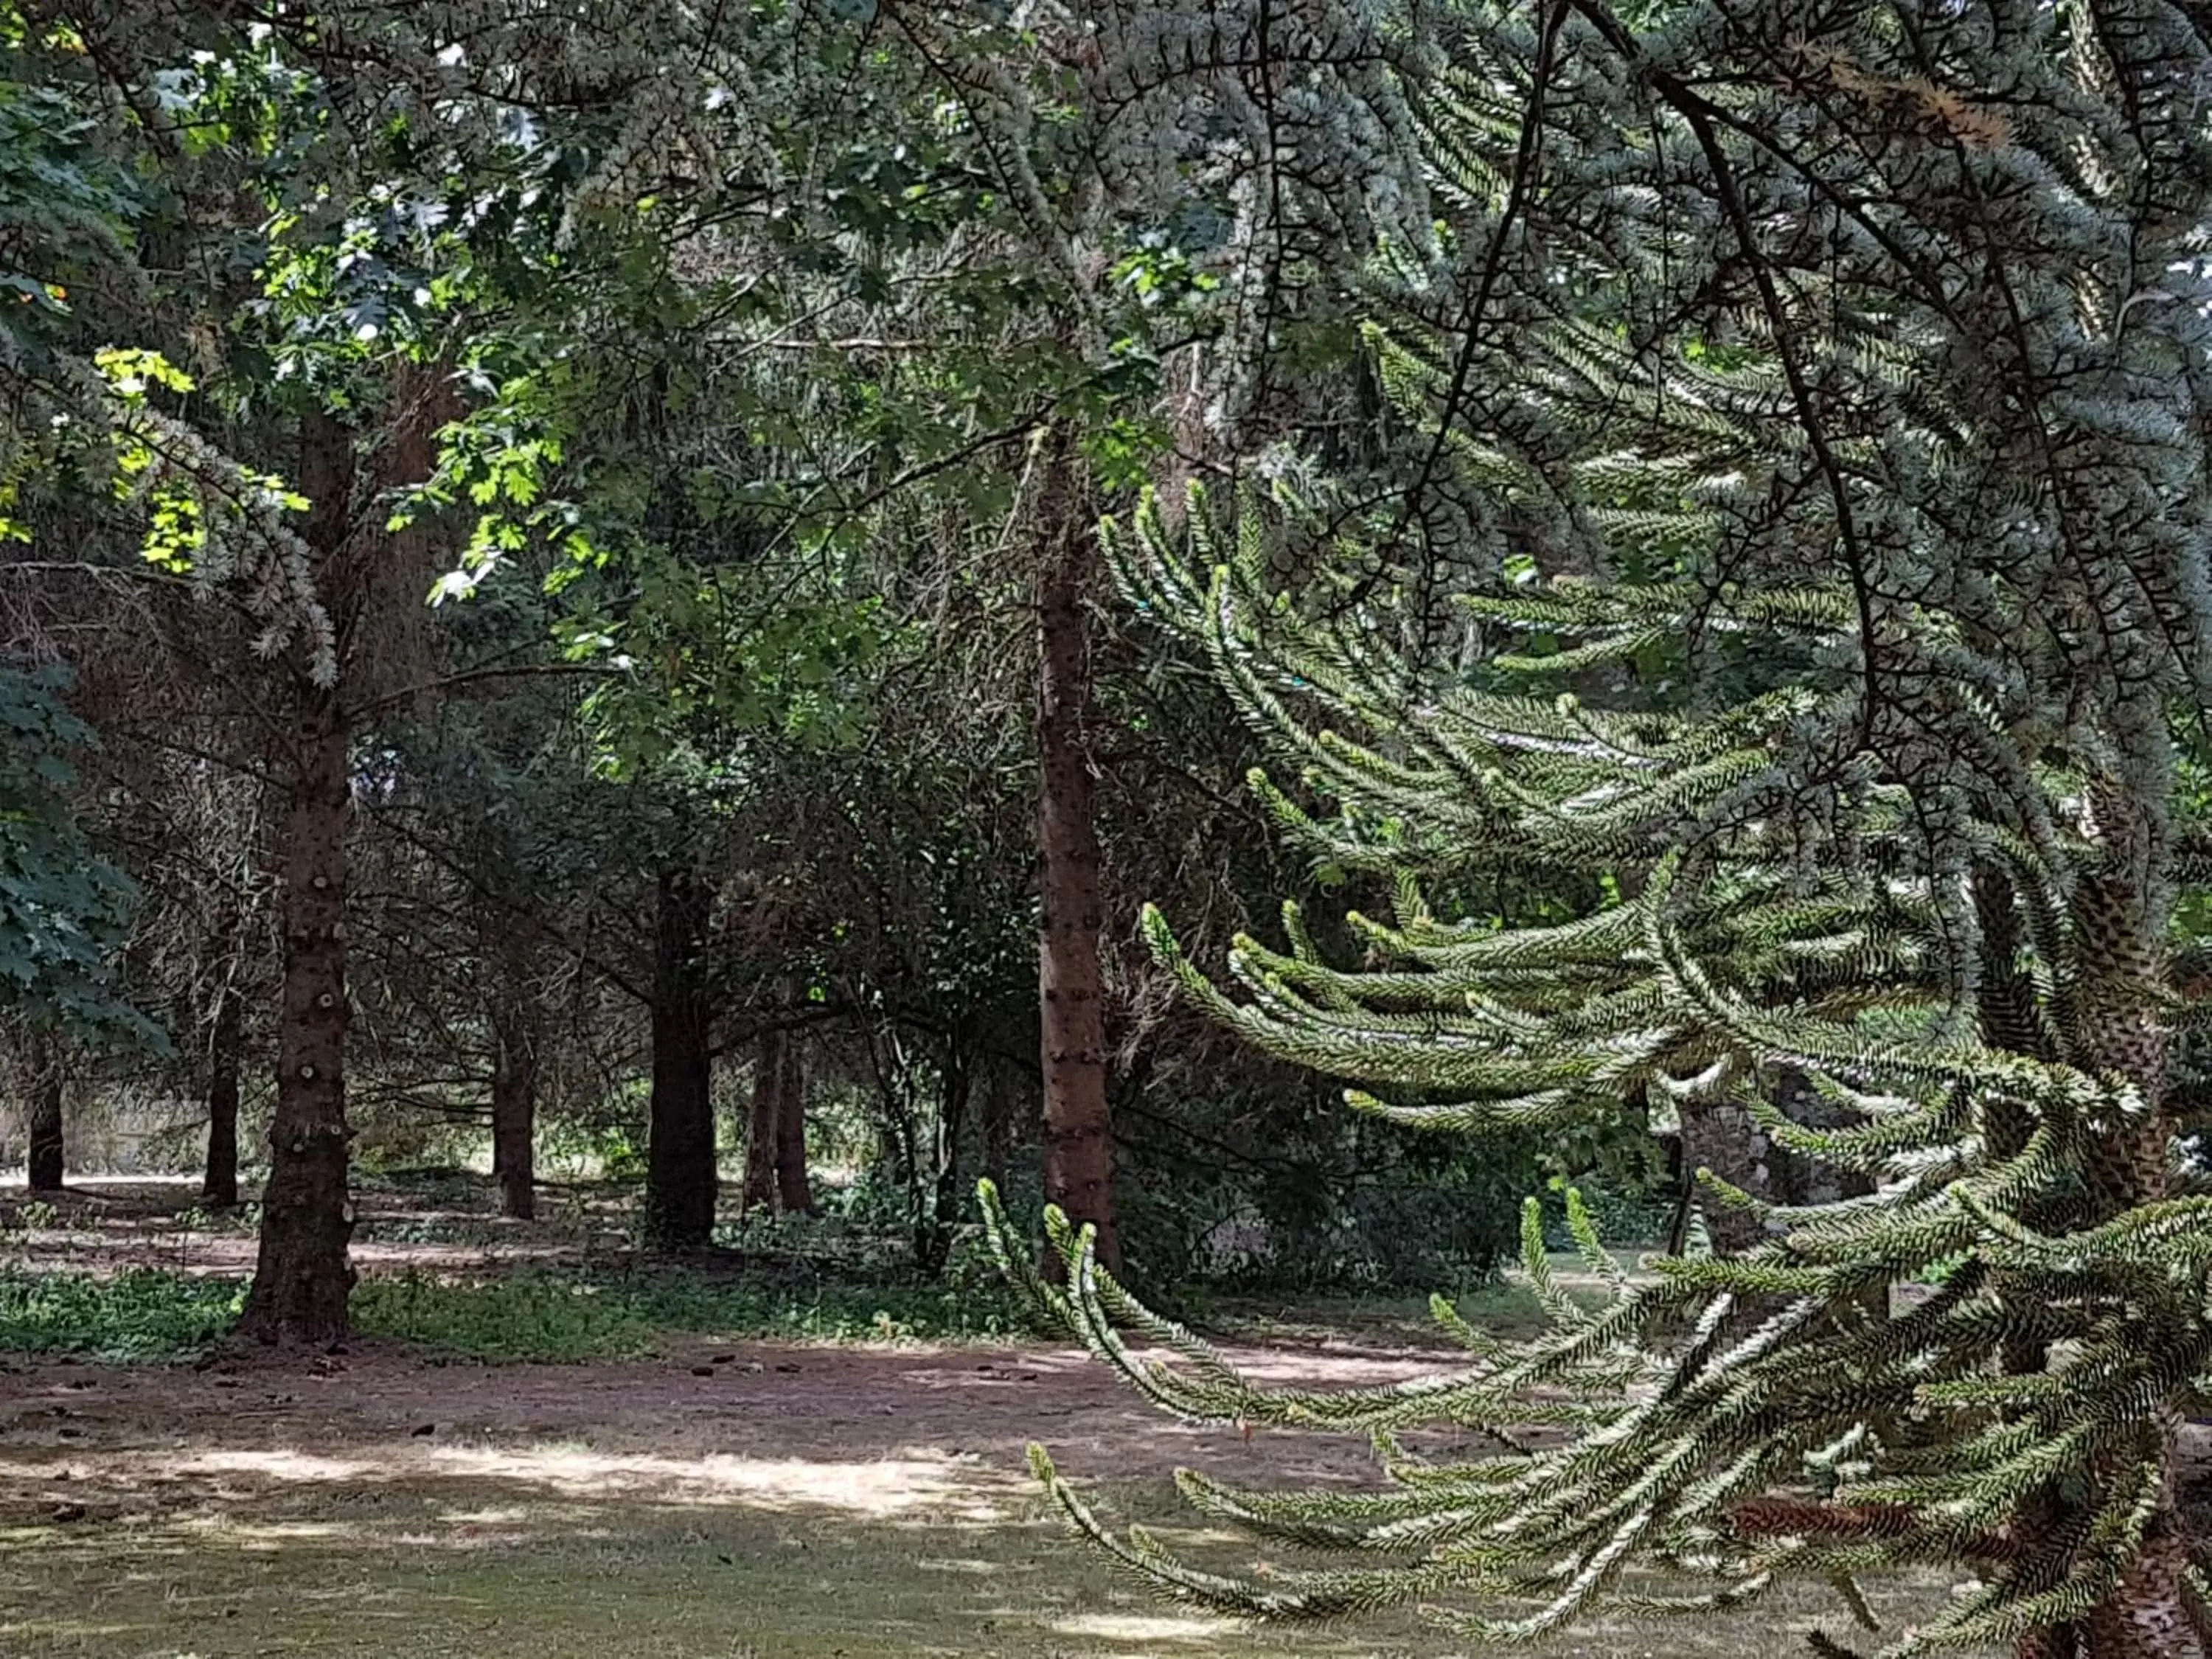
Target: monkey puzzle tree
<point x="1849" y="375"/>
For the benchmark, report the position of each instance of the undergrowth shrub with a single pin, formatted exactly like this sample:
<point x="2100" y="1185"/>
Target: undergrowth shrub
<point x="565" y="1317"/>
<point x="138" y="1316"/>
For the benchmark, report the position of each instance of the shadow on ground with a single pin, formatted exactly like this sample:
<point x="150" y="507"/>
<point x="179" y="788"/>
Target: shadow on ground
<point x="791" y="1501"/>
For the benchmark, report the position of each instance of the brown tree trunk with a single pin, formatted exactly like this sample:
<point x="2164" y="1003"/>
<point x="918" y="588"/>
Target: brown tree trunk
<point x="933" y="1236"/>
<point x="302" y="1278"/>
<point x="1078" y="1134"/>
<point x="45" y="1085"/>
<point x="998" y="1122"/>
<point x="1719" y="1135"/>
<point x="793" y="1189"/>
<point x="680" y="1178"/>
<point x="219" y="1186"/>
<point x="514" y="1108"/>
<point x="1800" y="1178"/>
<point x="765" y="1127"/>
<point x="2123" y="1030"/>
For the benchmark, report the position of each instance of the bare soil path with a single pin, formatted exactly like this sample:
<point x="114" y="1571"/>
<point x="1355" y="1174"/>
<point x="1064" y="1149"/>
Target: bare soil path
<point x="722" y="1500"/>
<point x="790" y="1500"/>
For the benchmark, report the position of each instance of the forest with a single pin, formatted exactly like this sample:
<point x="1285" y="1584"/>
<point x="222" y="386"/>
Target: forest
<point x="985" y="827"/>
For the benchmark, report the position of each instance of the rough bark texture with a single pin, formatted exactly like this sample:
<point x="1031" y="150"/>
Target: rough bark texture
<point x="219" y="1185"/>
<point x="997" y="1123"/>
<point x="302" y="1278"/>
<point x="1799" y="1177"/>
<point x="44" y="1087"/>
<point x="793" y="1191"/>
<point x="2119" y="1026"/>
<point x="764" y="1125"/>
<point x="1078" y="1134"/>
<point x="1721" y="1136"/>
<point x="514" y="1108"/>
<point x="680" y="1181"/>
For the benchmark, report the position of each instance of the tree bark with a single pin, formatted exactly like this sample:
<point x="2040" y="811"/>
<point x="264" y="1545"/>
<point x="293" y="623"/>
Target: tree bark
<point x="1800" y="1178"/>
<point x="219" y="1186"/>
<point x="1077" y="1134"/>
<point x="46" y="1164"/>
<point x="302" y="1278"/>
<point x="793" y="1189"/>
<point x="765" y="1127"/>
<point x="515" y="1107"/>
<point x="998" y="1122"/>
<point x="1719" y="1135"/>
<point x="680" y="1178"/>
<point x="2120" y="1028"/>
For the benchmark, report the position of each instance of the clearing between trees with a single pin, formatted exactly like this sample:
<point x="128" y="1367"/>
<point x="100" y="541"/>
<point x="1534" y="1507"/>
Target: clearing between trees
<point x="715" y="1498"/>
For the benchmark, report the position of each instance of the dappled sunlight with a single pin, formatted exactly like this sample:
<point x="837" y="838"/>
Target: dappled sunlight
<point x="888" y="1487"/>
<point x="275" y="1466"/>
<point x="1146" y="1627"/>
<point x="939" y="1486"/>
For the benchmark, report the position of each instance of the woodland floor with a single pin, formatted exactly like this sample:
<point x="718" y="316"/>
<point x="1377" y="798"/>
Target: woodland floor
<point x="802" y="1500"/>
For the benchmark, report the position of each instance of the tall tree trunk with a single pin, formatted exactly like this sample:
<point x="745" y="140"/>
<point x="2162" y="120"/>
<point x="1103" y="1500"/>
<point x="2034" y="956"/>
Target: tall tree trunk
<point x="219" y="1186"/>
<point x="514" y="1105"/>
<point x="1800" y="1178"/>
<point x="680" y="1178"/>
<point x="45" y="1085"/>
<point x="302" y="1278"/>
<point x="2119" y="1028"/>
<point x="793" y="1189"/>
<point x="1078" y="1134"/>
<point x="933" y="1238"/>
<point x="764" y="1125"/>
<point x="998" y="1121"/>
<point x="1719" y="1135"/>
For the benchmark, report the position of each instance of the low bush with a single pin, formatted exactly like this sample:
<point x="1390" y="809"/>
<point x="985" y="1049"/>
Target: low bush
<point x="139" y="1316"/>
<point x="543" y="1314"/>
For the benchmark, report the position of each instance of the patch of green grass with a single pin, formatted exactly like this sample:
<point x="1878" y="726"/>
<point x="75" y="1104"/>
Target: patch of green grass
<point x="565" y="1317"/>
<point x="148" y="1315"/>
<point x="140" y="1315"/>
<point x="561" y="1317"/>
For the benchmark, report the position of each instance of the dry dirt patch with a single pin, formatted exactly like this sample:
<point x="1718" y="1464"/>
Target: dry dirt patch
<point x="795" y="1500"/>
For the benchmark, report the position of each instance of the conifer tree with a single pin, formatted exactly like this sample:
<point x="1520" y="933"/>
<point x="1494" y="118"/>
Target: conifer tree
<point x="1838" y="382"/>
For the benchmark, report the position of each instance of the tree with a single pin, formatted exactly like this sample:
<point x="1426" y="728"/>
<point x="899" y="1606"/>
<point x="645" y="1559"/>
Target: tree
<point x="63" y="909"/>
<point x="219" y="1183"/>
<point x="1819" y="361"/>
<point x="516" y="1038"/>
<point x="1078" y="1134"/>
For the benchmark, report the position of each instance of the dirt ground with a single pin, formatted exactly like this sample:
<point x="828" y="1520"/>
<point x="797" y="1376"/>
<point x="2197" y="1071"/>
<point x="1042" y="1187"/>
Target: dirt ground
<point x="723" y="1500"/>
<point x="804" y="1501"/>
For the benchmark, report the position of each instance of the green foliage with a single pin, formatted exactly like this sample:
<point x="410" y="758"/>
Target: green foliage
<point x="1857" y="779"/>
<point x="565" y="1317"/>
<point x="145" y="1315"/>
<point x="545" y="1316"/>
<point x="64" y="910"/>
<point x="139" y="1316"/>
